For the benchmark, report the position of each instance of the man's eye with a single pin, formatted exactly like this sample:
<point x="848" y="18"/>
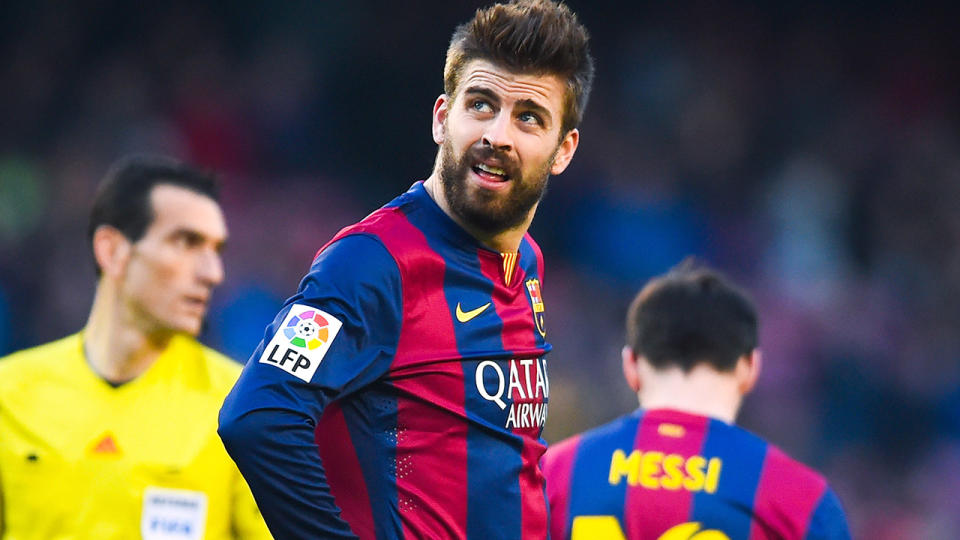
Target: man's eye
<point x="188" y="240"/>
<point x="530" y="118"/>
<point x="481" y="106"/>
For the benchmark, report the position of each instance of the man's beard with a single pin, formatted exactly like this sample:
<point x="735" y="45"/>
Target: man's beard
<point x="482" y="210"/>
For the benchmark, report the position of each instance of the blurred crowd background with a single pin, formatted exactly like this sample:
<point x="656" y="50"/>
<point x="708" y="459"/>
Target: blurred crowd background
<point x="809" y="150"/>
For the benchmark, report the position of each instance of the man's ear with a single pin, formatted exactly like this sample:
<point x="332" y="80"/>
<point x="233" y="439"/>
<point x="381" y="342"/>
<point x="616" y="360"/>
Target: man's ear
<point x="568" y="147"/>
<point x="748" y="371"/>
<point x="440" y="110"/>
<point x="111" y="250"/>
<point x="631" y="371"/>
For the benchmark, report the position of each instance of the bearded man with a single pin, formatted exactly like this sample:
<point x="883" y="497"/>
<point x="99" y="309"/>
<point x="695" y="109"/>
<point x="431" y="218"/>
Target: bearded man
<point x="401" y="393"/>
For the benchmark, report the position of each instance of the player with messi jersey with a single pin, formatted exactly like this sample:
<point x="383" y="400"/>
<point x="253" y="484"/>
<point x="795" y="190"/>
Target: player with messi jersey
<point x="678" y="468"/>
<point x="402" y="391"/>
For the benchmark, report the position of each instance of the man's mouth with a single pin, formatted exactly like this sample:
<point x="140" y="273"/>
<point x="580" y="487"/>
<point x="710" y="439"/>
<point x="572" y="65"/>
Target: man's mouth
<point x="197" y="302"/>
<point x="490" y="173"/>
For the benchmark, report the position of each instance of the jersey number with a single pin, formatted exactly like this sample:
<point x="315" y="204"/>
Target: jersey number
<point x="608" y="528"/>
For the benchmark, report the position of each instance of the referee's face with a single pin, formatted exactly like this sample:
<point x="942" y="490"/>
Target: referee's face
<point x="174" y="267"/>
<point x="500" y="139"/>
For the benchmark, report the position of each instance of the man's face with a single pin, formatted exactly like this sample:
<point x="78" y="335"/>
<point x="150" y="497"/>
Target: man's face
<point x="500" y="140"/>
<point x="174" y="267"/>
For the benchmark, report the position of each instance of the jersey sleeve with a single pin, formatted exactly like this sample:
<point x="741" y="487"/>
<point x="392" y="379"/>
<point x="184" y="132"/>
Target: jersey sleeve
<point x="336" y="335"/>
<point x="828" y="521"/>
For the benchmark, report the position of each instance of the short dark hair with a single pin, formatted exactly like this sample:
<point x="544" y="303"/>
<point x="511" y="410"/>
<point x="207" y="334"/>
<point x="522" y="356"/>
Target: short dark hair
<point x="689" y="315"/>
<point x="123" y="196"/>
<point x="527" y="36"/>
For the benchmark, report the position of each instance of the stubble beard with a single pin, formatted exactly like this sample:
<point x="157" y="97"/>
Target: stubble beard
<point x="487" y="211"/>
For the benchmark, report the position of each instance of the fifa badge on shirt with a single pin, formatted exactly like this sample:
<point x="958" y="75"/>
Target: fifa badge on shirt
<point x="173" y="514"/>
<point x="302" y="340"/>
<point x="536" y="301"/>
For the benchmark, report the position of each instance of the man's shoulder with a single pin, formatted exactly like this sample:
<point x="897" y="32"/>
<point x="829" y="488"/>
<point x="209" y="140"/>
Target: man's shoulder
<point x="562" y="451"/>
<point x="220" y="370"/>
<point x="614" y="430"/>
<point x="775" y="458"/>
<point x="379" y="223"/>
<point x="784" y="485"/>
<point x="789" y="469"/>
<point x="800" y="498"/>
<point x="737" y="440"/>
<point x="219" y="362"/>
<point x="733" y="437"/>
<point x="36" y="360"/>
<point x="375" y="250"/>
<point x="363" y="241"/>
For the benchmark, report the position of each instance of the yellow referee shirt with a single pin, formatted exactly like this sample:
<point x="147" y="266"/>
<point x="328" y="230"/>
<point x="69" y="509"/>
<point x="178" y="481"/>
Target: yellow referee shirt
<point x="82" y="459"/>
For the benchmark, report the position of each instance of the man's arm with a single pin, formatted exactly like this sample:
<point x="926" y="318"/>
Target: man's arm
<point x="338" y="334"/>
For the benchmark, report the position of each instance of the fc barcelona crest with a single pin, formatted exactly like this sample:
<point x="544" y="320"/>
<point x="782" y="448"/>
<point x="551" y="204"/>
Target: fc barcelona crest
<point x="536" y="301"/>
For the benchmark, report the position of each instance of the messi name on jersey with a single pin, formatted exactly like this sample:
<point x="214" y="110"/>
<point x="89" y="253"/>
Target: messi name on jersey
<point x="656" y="470"/>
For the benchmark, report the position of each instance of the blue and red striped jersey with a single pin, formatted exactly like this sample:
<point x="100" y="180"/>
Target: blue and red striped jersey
<point x="402" y="391"/>
<point x="669" y="475"/>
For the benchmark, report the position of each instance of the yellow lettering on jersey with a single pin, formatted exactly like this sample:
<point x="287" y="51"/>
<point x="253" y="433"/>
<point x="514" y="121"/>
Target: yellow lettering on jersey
<point x="713" y="475"/>
<point x="656" y="470"/>
<point x="621" y="466"/>
<point x="689" y="531"/>
<point x="683" y="531"/>
<point x="671" y="430"/>
<point x="608" y="528"/>
<point x="650" y="469"/>
<point x="596" y="528"/>
<point x="673" y="472"/>
<point x="695" y="477"/>
<point x="711" y="534"/>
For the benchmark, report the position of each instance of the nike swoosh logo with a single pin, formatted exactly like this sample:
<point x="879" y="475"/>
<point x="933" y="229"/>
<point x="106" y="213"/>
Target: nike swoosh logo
<point x="464" y="316"/>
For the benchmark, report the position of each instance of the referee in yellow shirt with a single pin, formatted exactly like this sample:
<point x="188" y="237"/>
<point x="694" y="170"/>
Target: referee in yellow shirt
<point x="111" y="433"/>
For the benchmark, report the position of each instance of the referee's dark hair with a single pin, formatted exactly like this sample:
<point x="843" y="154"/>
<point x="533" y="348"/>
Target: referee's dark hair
<point x="691" y="315"/>
<point x="123" y="196"/>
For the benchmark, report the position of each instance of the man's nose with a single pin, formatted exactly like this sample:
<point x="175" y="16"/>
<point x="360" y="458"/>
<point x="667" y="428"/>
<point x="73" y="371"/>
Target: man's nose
<point x="210" y="268"/>
<point x="499" y="133"/>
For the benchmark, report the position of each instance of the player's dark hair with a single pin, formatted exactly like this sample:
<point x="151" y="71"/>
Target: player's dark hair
<point x="527" y="36"/>
<point x="123" y="196"/>
<point x="689" y="315"/>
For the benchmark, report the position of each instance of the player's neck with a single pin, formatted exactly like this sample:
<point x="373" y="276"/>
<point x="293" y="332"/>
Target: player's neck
<point x="703" y="391"/>
<point x="507" y="241"/>
<point x="115" y="347"/>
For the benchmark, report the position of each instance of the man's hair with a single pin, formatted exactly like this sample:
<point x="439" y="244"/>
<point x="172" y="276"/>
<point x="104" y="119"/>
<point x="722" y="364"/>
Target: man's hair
<point x="689" y="315"/>
<point x="527" y="36"/>
<point x="123" y="197"/>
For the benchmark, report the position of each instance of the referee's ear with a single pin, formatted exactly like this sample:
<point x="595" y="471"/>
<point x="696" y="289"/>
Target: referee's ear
<point x="111" y="250"/>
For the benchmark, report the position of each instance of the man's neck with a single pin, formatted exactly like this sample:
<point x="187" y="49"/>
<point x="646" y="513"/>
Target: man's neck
<point x="115" y="348"/>
<point x="507" y="241"/>
<point x="702" y="391"/>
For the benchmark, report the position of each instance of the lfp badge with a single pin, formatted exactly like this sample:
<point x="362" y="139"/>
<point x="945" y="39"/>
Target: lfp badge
<point x="308" y="329"/>
<point x="301" y="341"/>
<point x="536" y="301"/>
